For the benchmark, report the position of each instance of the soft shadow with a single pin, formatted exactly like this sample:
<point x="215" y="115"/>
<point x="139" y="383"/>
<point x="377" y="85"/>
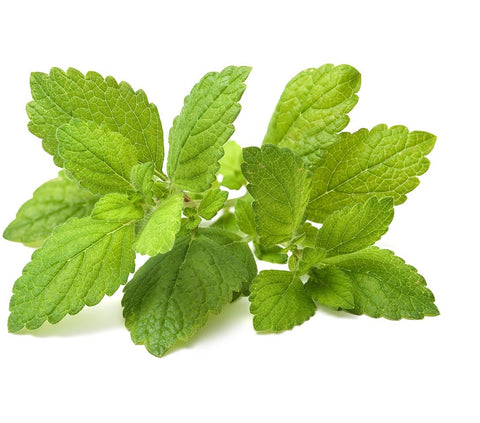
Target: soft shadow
<point x="337" y="313"/>
<point x="100" y="318"/>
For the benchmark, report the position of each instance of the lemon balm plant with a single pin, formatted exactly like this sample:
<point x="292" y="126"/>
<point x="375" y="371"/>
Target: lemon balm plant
<point x="113" y="198"/>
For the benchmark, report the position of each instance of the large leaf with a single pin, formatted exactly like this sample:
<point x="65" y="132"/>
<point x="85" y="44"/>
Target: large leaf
<point x="101" y="160"/>
<point x="52" y="204"/>
<point x="59" y="96"/>
<point x="356" y="227"/>
<point x="280" y="185"/>
<point x="158" y="233"/>
<point x="313" y="109"/>
<point x="383" y="162"/>
<point x="382" y="285"/>
<point x="172" y="294"/>
<point x="203" y="126"/>
<point x="81" y="262"/>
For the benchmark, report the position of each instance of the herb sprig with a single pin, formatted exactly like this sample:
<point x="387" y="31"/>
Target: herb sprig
<point x="317" y="200"/>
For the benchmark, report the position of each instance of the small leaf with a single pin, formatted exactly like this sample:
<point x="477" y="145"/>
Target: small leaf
<point x="116" y="207"/>
<point x="101" y="160"/>
<point x="158" y="233"/>
<point x="244" y="215"/>
<point x="383" y="162"/>
<point x="273" y="254"/>
<point x="279" y="301"/>
<point x="280" y="185"/>
<point x="53" y="203"/>
<point x="312" y="256"/>
<point x="141" y="177"/>
<point x="309" y="235"/>
<point x="203" y="127"/>
<point x="212" y="203"/>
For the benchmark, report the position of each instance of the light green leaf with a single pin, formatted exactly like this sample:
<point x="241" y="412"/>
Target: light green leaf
<point x="280" y="185"/>
<point x="244" y="215"/>
<point x="279" y="301"/>
<point x="141" y="177"/>
<point x="383" y="285"/>
<point x="212" y="203"/>
<point x="230" y="166"/>
<point x="331" y="287"/>
<point x="59" y="96"/>
<point x="52" y="204"/>
<point x="203" y="127"/>
<point x="353" y="228"/>
<point x="172" y="294"/>
<point x="311" y="256"/>
<point x="158" y="233"/>
<point x="115" y="207"/>
<point x="101" y="160"/>
<point x="313" y="109"/>
<point x="81" y="262"/>
<point x="383" y="162"/>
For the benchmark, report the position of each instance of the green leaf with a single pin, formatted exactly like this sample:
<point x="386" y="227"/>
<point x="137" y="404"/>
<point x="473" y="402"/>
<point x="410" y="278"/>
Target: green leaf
<point x="158" y="233"/>
<point x="237" y="249"/>
<point x="190" y="224"/>
<point x="226" y="222"/>
<point x="117" y="207"/>
<point x="141" y="177"/>
<point x="331" y="287"/>
<point x="311" y="256"/>
<point x="160" y="189"/>
<point x="313" y="109"/>
<point x="309" y="235"/>
<point x="212" y="203"/>
<point x="382" y="285"/>
<point x="59" y="96"/>
<point x="52" y="204"/>
<point x="273" y="254"/>
<point x="230" y="166"/>
<point x="203" y="127"/>
<point x="172" y="294"/>
<point x="244" y="215"/>
<point x="81" y="262"/>
<point x="101" y="160"/>
<point x="383" y="162"/>
<point x="353" y="228"/>
<point x="280" y="184"/>
<point x="279" y="301"/>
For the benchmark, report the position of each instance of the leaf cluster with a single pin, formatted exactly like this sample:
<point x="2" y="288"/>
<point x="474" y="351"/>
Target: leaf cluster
<point x="317" y="200"/>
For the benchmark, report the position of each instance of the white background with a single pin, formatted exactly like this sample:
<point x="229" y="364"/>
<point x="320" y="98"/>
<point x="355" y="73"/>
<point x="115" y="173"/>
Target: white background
<point x="420" y="67"/>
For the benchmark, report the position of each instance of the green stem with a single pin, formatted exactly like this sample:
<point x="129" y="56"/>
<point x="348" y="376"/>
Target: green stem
<point x="161" y="175"/>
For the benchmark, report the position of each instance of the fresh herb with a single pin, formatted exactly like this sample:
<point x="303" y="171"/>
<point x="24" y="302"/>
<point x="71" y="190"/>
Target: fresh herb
<point x="113" y="200"/>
